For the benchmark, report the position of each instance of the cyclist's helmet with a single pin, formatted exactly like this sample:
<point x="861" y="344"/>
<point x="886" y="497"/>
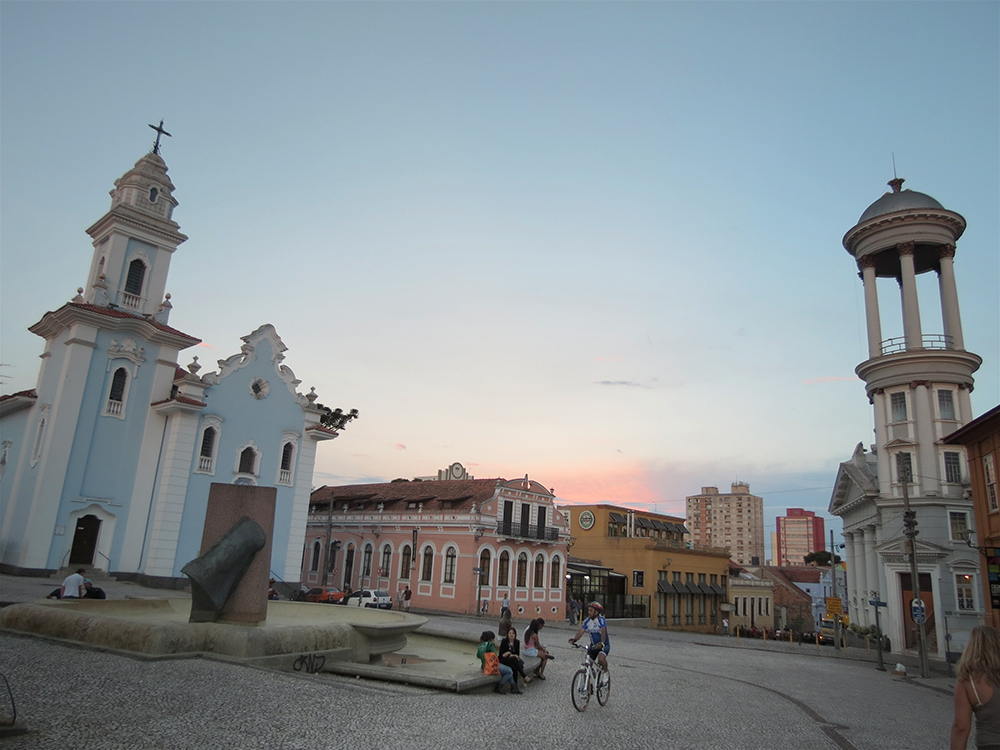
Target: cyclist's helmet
<point x="598" y="606"/>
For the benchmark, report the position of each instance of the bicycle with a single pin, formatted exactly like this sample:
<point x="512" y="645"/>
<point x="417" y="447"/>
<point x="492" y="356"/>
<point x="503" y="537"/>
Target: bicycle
<point x="588" y="679"/>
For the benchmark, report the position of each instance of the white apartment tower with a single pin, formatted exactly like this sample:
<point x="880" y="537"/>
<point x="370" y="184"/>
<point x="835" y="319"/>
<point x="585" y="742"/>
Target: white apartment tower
<point x="918" y="385"/>
<point x="734" y="520"/>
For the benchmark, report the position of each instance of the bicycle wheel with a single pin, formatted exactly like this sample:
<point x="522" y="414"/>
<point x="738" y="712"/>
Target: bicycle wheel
<point x="580" y="690"/>
<point x="604" y="688"/>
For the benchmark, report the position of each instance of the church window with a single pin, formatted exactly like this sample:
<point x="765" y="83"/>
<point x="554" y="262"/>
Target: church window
<point x="248" y="460"/>
<point x="450" y="558"/>
<point x="959" y="522"/>
<point x="556" y="581"/>
<point x="287" y="462"/>
<point x="406" y="562"/>
<point x="503" y="574"/>
<point x="428" y="567"/>
<point x="314" y="558"/>
<point x="386" y="561"/>
<point x="153" y="193"/>
<point x="522" y="570"/>
<point x="36" y="452"/>
<point x="207" y="455"/>
<point x="136" y="275"/>
<point x="117" y="393"/>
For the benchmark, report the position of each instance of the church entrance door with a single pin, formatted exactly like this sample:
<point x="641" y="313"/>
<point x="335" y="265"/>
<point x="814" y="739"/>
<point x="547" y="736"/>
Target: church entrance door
<point x="85" y="541"/>
<point x="910" y="627"/>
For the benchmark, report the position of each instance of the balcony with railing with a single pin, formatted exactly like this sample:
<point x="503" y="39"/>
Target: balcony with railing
<point x="527" y="531"/>
<point x="131" y="301"/>
<point x="114" y="408"/>
<point x="284" y="476"/>
<point x="927" y="341"/>
<point x="206" y="464"/>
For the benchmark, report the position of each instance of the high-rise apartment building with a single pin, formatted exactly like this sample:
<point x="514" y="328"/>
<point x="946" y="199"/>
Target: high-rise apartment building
<point x="734" y="520"/>
<point x="798" y="534"/>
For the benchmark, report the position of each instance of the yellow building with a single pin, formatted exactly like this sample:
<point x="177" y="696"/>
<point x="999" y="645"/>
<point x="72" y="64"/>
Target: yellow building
<point x="639" y="565"/>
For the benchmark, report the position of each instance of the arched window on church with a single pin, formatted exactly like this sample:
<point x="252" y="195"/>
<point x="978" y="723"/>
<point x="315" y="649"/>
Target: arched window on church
<point x="386" y="561"/>
<point x="206" y="457"/>
<point x="484" y="568"/>
<point x="428" y="569"/>
<point x="116" y="393"/>
<point x="450" y="558"/>
<point x="522" y="570"/>
<point x="287" y="460"/>
<point x="248" y="461"/>
<point x="314" y="559"/>
<point x="556" y="581"/>
<point x="132" y="297"/>
<point x="503" y="573"/>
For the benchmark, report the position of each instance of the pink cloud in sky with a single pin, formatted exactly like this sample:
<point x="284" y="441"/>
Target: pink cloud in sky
<point x="400" y="447"/>
<point x="205" y="345"/>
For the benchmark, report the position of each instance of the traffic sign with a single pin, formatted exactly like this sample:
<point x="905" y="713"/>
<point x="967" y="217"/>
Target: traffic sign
<point x="834" y="605"/>
<point x="877" y="603"/>
<point x="477" y="570"/>
<point x="918" y="611"/>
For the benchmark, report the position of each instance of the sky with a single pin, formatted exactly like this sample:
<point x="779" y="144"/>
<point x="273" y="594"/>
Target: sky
<point x="594" y="243"/>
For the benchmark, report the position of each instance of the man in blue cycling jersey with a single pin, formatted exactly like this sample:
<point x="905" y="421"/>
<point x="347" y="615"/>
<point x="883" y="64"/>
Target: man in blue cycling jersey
<point x="597" y="627"/>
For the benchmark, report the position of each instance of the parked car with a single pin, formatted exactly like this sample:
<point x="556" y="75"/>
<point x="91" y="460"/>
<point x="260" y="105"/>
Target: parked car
<point x="369" y="598"/>
<point x="327" y="595"/>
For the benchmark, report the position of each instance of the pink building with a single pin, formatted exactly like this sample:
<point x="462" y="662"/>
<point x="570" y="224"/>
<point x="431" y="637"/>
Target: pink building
<point x="798" y="534"/>
<point x="433" y="535"/>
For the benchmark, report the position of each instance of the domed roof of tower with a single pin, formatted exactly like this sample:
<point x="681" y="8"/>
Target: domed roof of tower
<point x="898" y="200"/>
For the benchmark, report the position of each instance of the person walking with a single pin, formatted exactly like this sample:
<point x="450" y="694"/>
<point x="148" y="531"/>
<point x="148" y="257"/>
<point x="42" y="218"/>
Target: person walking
<point x="406" y="599"/>
<point x="725" y="626"/>
<point x="505" y="605"/>
<point x="977" y="691"/>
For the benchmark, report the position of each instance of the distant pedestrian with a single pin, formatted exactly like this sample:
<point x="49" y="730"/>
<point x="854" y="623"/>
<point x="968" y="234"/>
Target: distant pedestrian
<point x="399" y="600"/>
<point x="572" y="611"/>
<point x="977" y="690"/>
<point x="72" y="587"/>
<point x="725" y="626"/>
<point x="92" y="591"/>
<point x="406" y="599"/>
<point x="505" y="605"/>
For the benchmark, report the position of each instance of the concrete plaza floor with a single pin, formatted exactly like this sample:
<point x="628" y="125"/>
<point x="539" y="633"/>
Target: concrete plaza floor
<point x="668" y="690"/>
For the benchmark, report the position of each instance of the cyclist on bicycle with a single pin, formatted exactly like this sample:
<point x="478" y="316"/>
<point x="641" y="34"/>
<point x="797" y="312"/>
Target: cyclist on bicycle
<point x="597" y="627"/>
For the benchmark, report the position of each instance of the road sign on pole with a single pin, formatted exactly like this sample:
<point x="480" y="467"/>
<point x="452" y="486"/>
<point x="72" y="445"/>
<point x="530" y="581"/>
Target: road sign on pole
<point x="918" y="611"/>
<point x="834" y="605"/>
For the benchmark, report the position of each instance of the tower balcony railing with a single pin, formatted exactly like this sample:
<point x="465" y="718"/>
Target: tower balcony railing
<point x="927" y="341"/>
<point x="131" y="301"/>
<point x="206" y="463"/>
<point x="527" y="531"/>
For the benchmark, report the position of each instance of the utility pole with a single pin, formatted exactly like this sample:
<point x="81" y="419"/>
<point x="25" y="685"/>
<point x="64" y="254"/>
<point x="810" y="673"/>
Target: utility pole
<point x="910" y="532"/>
<point x="833" y="593"/>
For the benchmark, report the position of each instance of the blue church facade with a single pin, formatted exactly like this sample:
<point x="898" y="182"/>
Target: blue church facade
<point x="107" y="463"/>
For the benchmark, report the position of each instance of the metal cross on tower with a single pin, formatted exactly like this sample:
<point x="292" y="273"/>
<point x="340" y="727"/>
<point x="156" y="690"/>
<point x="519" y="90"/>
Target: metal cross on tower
<point x="159" y="131"/>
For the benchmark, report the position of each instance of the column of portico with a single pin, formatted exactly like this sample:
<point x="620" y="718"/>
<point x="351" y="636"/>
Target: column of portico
<point x="949" y="298"/>
<point x="911" y="307"/>
<point x="926" y="472"/>
<point x="860" y="575"/>
<point x="871" y="572"/>
<point x="853" y="600"/>
<point x="872" y="317"/>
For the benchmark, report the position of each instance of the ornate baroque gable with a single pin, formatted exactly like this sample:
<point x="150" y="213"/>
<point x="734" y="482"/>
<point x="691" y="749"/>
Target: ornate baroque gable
<point x="248" y="354"/>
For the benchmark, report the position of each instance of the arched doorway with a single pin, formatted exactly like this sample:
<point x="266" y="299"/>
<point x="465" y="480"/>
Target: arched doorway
<point x="85" y="540"/>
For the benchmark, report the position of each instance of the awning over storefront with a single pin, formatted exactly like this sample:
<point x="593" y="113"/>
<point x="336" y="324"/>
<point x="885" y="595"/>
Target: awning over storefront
<point x="665" y="587"/>
<point x="717" y="589"/>
<point x="617" y="518"/>
<point x="681" y="528"/>
<point x="706" y="589"/>
<point x="644" y="522"/>
<point x="659" y="525"/>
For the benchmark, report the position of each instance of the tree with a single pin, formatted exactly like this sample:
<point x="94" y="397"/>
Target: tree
<point x="821" y="558"/>
<point x="335" y="419"/>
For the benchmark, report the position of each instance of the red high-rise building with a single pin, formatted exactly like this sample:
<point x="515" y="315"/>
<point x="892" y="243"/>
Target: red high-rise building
<point x="799" y="533"/>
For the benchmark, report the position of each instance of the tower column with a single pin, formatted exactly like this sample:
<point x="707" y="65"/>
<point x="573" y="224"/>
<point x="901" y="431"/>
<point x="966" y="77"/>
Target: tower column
<point x="860" y="574"/>
<point x="853" y="600"/>
<point x="926" y="471"/>
<point x="872" y="318"/>
<point x="949" y="298"/>
<point x="871" y="563"/>
<point x="911" y="307"/>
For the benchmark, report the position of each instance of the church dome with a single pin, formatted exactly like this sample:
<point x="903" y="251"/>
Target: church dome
<point x="898" y="200"/>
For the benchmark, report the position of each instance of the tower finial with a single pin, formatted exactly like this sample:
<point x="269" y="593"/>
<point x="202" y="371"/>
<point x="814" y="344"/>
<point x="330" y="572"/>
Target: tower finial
<point x="159" y="131"/>
<point x="896" y="183"/>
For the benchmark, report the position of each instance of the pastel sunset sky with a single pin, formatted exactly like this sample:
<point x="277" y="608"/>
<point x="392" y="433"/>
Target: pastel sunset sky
<point x="594" y="243"/>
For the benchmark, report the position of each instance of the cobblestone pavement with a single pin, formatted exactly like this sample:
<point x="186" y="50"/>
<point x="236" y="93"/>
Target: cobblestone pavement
<point x="669" y="690"/>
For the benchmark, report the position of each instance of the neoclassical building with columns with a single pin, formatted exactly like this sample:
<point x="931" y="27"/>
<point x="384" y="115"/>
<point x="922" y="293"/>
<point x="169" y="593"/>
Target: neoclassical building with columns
<point x="918" y="385"/>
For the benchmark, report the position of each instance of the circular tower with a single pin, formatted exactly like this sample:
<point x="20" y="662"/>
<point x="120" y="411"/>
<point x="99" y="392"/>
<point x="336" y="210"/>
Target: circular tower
<point x="918" y="383"/>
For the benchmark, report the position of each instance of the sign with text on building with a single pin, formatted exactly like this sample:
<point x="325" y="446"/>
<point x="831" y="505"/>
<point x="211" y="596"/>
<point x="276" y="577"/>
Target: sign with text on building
<point x="586" y="520"/>
<point x="993" y="574"/>
<point x="834" y="605"/>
